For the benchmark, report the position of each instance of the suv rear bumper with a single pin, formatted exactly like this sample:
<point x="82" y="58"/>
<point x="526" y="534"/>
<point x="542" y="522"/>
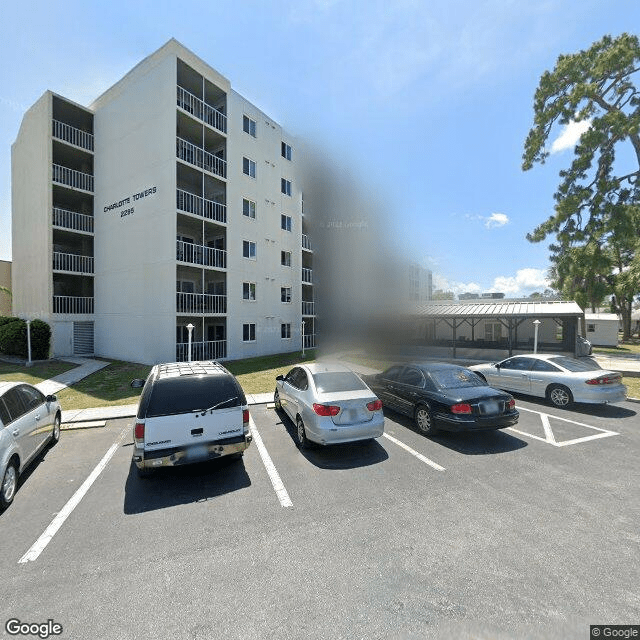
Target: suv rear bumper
<point x="188" y="455"/>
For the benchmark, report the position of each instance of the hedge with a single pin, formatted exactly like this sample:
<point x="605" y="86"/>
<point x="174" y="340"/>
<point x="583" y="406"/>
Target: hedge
<point x="13" y="338"/>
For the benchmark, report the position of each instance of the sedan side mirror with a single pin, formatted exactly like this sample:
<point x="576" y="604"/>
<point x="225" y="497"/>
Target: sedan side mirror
<point x="497" y="365"/>
<point x="280" y="377"/>
<point x="138" y="383"/>
<point x="51" y="399"/>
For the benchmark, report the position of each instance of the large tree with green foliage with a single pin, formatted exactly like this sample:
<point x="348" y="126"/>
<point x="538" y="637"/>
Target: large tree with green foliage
<point x="596" y="221"/>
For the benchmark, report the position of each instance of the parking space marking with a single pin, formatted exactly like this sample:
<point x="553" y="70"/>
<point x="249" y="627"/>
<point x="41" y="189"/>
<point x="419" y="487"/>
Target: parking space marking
<point x="40" y="544"/>
<point x="278" y="485"/>
<point x="420" y="457"/>
<point x="550" y="437"/>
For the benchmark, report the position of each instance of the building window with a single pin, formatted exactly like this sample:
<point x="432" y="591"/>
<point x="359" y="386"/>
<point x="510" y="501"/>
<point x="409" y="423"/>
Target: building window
<point x="248" y="290"/>
<point x="285" y="222"/>
<point x="249" y="208"/>
<point x="249" y="167"/>
<point x="249" y="126"/>
<point x="249" y="332"/>
<point x="249" y="249"/>
<point x="286" y="151"/>
<point x="285" y="258"/>
<point x="285" y="330"/>
<point x="493" y="331"/>
<point x="285" y="294"/>
<point x="285" y="186"/>
<point x="591" y="328"/>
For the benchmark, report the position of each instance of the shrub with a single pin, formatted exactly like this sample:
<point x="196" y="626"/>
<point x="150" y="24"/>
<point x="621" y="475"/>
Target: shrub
<point x="13" y="338"/>
<point x="40" y="340"/>
<point x="7" y="319"/>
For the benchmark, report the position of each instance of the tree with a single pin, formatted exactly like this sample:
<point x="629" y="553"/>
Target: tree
<point x="596" y="220"/>
<point x="439" y="294"/>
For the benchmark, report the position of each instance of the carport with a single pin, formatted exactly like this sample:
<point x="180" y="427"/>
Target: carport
<point x="499" y="325"/>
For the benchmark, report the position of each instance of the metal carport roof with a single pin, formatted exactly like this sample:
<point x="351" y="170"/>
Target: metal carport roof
<point x="501" y="309"/>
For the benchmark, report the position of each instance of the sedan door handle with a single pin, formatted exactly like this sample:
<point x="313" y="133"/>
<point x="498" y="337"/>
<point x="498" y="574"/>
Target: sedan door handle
<point x="37" y="416"/>
<point x="16" y="432"/>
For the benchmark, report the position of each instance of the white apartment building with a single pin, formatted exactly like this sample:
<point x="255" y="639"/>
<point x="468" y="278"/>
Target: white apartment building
<point x="169" y="201"/>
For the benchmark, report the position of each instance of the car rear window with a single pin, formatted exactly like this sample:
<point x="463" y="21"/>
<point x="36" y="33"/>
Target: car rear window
<point x="185" y="394"/>
<point x="574" y="365"/>
<point x="336" y="381"/>
<point x="456" y="378"/>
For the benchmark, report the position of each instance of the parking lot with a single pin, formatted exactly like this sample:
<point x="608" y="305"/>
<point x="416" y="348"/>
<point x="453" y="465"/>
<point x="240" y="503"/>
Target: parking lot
<point x="526" y="532"/>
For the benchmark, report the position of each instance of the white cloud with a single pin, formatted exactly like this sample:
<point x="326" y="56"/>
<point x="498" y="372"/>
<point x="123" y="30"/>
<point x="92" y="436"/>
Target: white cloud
<point x="496" y="220"/>
<point x="570" y="135"/>
<point x="525" y="281"/>
<point x="440" y="282"/>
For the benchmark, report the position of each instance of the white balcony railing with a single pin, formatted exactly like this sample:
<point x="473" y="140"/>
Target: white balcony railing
<point x="72" y="304"/>
<point x="306" y="243"/>
<point x="202" y="110"/>
<point x="308" y="308"/>
<point x="199" y="254"/>
<point x="72" y="262"/>
<point x="72" y="220"/>
<point x="72" y="135"/>
<point x="307" y="275"/>
<point x="212" y="350"/>
<point x="72" y="178"/>
<point x="198" y="157"/>
<point x="200" y="303"/>
<point x="201" y="206"/>
<point x="309" y="341"/>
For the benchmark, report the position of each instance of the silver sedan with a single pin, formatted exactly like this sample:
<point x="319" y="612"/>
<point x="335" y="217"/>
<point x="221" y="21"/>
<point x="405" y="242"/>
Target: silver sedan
<point x="560" y="379"/>
<point x="329" y="404"/>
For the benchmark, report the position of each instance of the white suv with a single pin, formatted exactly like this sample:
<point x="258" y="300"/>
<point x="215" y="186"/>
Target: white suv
<point x="189" y="412"/>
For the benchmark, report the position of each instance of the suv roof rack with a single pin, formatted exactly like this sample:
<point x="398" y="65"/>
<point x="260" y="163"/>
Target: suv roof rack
<point x="173" y="369"/>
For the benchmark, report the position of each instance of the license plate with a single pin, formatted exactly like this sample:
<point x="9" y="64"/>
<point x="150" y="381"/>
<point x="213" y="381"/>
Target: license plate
<point x="196" y="453"/>
<point x="490" y="407"/>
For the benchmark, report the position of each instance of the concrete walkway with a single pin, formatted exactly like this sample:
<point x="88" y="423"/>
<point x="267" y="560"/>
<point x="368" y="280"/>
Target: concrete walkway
<point x="86" y="367"/>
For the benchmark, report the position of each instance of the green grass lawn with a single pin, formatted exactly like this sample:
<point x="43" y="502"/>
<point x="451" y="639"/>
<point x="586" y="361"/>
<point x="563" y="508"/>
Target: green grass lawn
<point x="632" y="347"/>
<point x="35" y="374"/>
<point x="633" y="387"/>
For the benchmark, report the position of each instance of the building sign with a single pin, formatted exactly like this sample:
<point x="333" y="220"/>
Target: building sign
<point x="126" y="206"/>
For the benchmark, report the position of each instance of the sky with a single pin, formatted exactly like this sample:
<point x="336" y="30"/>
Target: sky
<point x="428" y="102"/>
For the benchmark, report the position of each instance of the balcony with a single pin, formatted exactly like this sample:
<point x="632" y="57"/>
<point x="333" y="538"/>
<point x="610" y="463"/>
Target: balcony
<point x="72" y="178"/>
<point x="200" y="158"/>
<point x="65" y="219"/>
<point x="72" y="263"/>
<point x="208" y="209"/>
<point x="72" y="135"/>
<point x="309" y="341"/>
<point x="308" y="308"/>
<point x="213" y="350"/>
<point x="201" y="110"/>
<point x="307" y="275"/>
<point x="200" y="303"/>
<point x="72" y="304"/>
<point x="306" y="243"/>
<point x="201" y="255"/>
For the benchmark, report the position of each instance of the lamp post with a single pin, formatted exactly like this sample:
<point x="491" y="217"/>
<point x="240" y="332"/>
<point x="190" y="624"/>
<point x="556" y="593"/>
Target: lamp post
<point x="190" y="330"/>
<point x="303" y="339"/>
<point x="29" y="363"/>
<point x="536" y="324"/>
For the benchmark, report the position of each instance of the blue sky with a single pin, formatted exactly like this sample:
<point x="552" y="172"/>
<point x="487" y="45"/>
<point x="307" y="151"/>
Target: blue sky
<point x="429" y="101"/>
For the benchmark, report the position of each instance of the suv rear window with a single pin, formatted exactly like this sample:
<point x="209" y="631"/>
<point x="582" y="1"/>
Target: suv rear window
<point x="185" y="394"/>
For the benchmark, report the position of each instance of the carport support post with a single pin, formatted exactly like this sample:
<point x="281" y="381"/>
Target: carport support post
<point x="455" y="326"/>
<point x="29" y="363"/>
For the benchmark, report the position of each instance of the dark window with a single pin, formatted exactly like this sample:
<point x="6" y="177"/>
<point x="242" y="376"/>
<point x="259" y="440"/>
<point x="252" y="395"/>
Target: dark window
<point x="336" y="381"/>
<point x="298" y="378"/>
<point x="285" y="330"/>
<point x="574" y="365"/>
<point x="412" y="377"/>
<point x="455" y="378"/>
<point x="392" y="373"/>
<point x="248" y="332"/>
<point x="286" y="151"/>
<point x="285" y="186"/>
<point x="4" y="413"/>
<point x="543" y="365"/>
<point x="31" y="397"/>
<point x="14" y="404"/>
<point x="517" y="364"/>
<point x="249" y="126"/>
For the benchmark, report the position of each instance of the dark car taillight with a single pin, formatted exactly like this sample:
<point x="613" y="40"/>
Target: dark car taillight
<point x="510" y="404"/>
<point x="461" y="407"/>
<point x="376" y="405"/>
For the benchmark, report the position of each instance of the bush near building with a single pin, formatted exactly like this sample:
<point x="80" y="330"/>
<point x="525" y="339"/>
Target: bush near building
<point x="13" y="338"/>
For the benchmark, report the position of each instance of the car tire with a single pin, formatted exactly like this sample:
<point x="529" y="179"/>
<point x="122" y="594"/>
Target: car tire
<point x="9" y="485"/>
<point x="424" y="420"/>
<point x="276" y="401"/>
<point x="559" y="396"/>
<point x="55" y="434"/>
<point x="301" y="435"/>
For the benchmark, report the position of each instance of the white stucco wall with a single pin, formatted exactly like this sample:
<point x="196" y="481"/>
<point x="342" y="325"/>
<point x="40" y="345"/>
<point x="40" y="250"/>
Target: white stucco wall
<point x="605" y="329"/>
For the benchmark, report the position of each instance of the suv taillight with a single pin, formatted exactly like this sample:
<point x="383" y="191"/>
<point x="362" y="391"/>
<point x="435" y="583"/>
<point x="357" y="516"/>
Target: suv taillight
<point x="245" y="420"/>
<point x="138" y="432"/>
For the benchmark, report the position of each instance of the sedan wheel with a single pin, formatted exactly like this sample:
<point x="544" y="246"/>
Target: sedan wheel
<point x="276" y="401"/>
<point x="423" y="420"/>
<point x="560" y="396"/>
<point x="9" y="484"/>
<point x="55" y="434"/>
<point x="303" y="441"/>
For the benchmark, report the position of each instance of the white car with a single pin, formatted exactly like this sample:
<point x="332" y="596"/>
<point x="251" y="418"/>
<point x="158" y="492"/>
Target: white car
<point x="560" y="379"/>
<point x="329" y="404"/>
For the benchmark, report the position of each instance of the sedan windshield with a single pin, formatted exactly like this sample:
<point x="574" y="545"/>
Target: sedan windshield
<point x="571" y="364"/>
<point x="336" y="381"/>
<point x="456" y="378"/>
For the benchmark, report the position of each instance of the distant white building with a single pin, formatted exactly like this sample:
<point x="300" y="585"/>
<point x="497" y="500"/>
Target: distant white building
<point x="602" y="329"/>
<point x="170" y="201"/>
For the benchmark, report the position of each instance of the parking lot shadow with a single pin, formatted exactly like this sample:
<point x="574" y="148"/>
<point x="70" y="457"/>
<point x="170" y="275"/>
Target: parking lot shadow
<point x="473" y="443"/>
<point x="349" y="455"/>
<point x="613" y="411"/>
<point x="185" y="484"/>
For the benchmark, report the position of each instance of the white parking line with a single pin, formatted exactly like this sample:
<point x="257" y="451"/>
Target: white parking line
<point x="278" y="485"/>
<point x="39" y="545"/>
<point x="420" y="457"/>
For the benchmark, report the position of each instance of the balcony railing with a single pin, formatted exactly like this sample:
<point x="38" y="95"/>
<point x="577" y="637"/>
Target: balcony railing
<point x="201" y="206"/>
<point x="201" y="255"/>
<point x="198" y="157"/>
<point x="213" y="350"/>
<point x="72" y="178"/>
<point x="307" y="275"/>
<point x="72" y="135"/>
<point x="200" y="303"/>
<point x="72" y="304"/>
<point x="306" y="243"/>
<point x="72" y="220"/>
<point x="72" y="262"/>
<point x="202" y="110"/>
<point x="308" y="308"/>
<point x="309" y="341"/>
